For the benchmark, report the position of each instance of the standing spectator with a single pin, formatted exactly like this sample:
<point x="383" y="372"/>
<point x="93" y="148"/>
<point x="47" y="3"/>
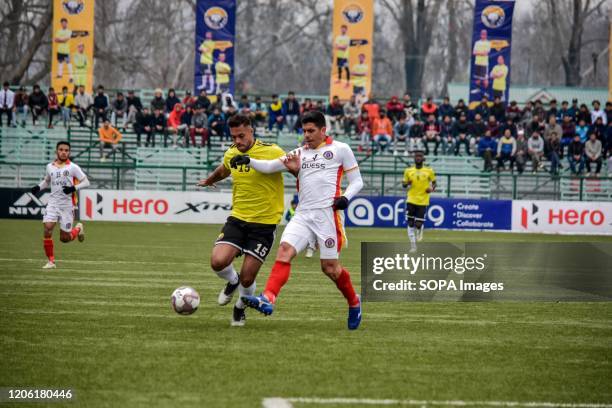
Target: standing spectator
<point x="144" y="124"/>
<point x="506" y="150"/>
<point x="394" y="109"/>
<point x="401" y="133"/>
<point x="203" y="101"/>
<point x="521" y="152"/>
<point x="216" y="123"/>
<point x="83" y="102"/>
<point x="21" y="106"/>
<point x="597" y="112"/>
<point x="66" y="103"/>
<point x="554" y="152"/>
<point x="199" y="126"/>
<point x="53" y="107"/>
<point x="432" y="134"/>
<point x="364" y="128"/>
<point x="535" y="149"/>
<point x="291" y="111"/>
<point x="498" y="110"/>
<point x="38" y="103"/>
<point x="100" y="106"/>
<point x="175" y="125"/>
<point x="119" y="110"/>
<point x="171" y="100"/>
<point x="552" y="127"/>
<point x="134" y="105"/>
<point x="351" y="115"/>
<point x="593" y="151"/>
<point x="382" y="129"/>
<point x="446" y="136"/>
<point x="568" y="130"/>
<point x="275" y="114"/>
<point x="582" y="130"/>
<point x="159" y="126"/>
<point x="584" y="114"/>
<point x="335" y="115"/>
<point x="429" y="108"/>
<point x="461" y="134"/>
<point x="445" y="109"/>
<point x="461" y="109"/>
<point x="188" y="100"/>
<point x="575" y="155"/>
<point x="7" y="104"/>
<point x="109" y="137"/>
<point x="158" y="101"/>
<point x="487" y="147"/>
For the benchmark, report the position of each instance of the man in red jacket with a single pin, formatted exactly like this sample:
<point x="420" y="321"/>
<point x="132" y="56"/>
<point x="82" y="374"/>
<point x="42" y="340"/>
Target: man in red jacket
<point x="175" y="127"/>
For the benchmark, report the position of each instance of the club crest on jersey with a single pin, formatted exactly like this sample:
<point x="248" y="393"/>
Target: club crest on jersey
<point x="328" y="155"/>
<point x="216" y="18"/>
<point x="330" y="243"/>
<point x="352" y="13"/>
<point x="493" y="16"/>
<point x="73" y="7"/>
<point x="66" y="173"/>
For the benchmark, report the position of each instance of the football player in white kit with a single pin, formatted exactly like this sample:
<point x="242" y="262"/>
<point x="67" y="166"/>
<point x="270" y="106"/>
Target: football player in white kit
<point x="321" y="163"/>
<point x="65" y="178"/>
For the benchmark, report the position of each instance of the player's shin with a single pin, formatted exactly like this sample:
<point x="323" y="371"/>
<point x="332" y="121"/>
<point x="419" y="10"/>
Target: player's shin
<point x="344" y="284"/>
<point x="229" y="274"/>
<point x="48" y="245"/>
<point x="248" y="291"/>
<point x="278" y="277"/>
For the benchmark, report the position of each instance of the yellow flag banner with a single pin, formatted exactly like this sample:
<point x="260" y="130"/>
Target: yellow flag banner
<point x="353" y="27"/>
<point x="73" y="44"/>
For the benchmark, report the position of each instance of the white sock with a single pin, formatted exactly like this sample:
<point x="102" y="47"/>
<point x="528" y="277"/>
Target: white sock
<point x="411" y="236"/>
<point x="242" y="291"/>
<point x="229" y="274"/>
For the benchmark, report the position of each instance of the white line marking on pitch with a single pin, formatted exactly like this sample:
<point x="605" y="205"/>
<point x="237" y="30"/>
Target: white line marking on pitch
<point x="288" y="403"/>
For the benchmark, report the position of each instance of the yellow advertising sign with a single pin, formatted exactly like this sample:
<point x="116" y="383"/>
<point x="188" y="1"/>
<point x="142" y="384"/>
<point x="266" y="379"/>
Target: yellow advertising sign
<point x="353" y="28"/>
<point x="73" y="44"/>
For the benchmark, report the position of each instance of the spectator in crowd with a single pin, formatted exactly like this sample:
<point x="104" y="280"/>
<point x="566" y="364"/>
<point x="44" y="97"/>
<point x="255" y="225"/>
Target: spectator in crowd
<point x="568" y="130"/>
<point x="445" y="109"/>
<point x="382" y="129"/>
<point x="552" y="127"/>
<point x="534" y="126"/>
<point x="144" y="124"/>
<point x="275" y="114"/>
<point x="410" y="108"/>
<point x="83" y="103"/>
<point x="573" y="110"/>
<point x="171" y="100"/>
<point x="134" y="105"/>
<point x="216" y="123"/>
<point x="506" y="150"/>
<point x="395" y="109"/>
<point x="228" y="105"/>
<point x="599" y="129"/>
<point x="401" y="134"/>
<point x="429" y="108"/>
<point x="582" y="130"/>
<point x="7" y="104"/>
<point x="432" y="134"/>
<point x="493" y="127"/>
<point x="319" y="106"/>
<point x="553" y="144"/>
<point x="38" y="103"/>
<point x="372" y="108"/>
<point x="119" y="109"/>
<point x="593" y="152"/>
<point x="21" y="106"/>
<point x="109" y="137"/>
<point x="174" y="124"/>
<point x="185" y="125"/>
<point x="539" y="111"/>
<point x="291" y="111"/>
<point x="575" y="155"/>
<point x="159" y="126"/>
<point x="244" y="106"/>
<point x="158" y="101"/>
<point x="487" y="147"/>
<point x="509" y="125"/>
<point x="261" y="113"/>
<point x="608" y="112"/>
<point x="477" y="130"/>
<point x="100" y="106"/>
<point x="584" y="114"/>
<point x="461" y="134"/>
<point x="522" y="152"/>
<point x="53" y="107"/>
<point x="307" y="106"/>
<point x="203" y="101"/>
<point x="66" y="103"/>
<point x="335" y="115"/>
<point x="527" y="114"/>
<point x="199" y="126"/>
<point x="188" y="100"/>
<point x="461" y="109"/>
<point x="417" y="134"/>
<point x="351" y="115"/>
<point x="597" y="112"/>
<point x="564" y="111"/>
<point x="364" y="129"/>
<point x="498" y="110"/>
<point x="446" y="136"/>
<point x="552" y="110"/>
<point x="535" y="149"/>
<point x="484" y="108"/>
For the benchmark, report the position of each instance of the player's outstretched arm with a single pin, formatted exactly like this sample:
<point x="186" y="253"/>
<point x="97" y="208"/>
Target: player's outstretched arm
<point x="220" y="173"/>
<point x="267" y="166"/>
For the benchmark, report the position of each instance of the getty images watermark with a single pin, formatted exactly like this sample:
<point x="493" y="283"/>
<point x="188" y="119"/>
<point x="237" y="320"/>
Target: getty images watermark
<point x="484" y="271"/>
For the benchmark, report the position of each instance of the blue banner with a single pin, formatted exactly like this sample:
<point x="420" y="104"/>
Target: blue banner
<point x="491" y="45"/>
<point x="445" y="213"/>
<point x="214" y="44"/>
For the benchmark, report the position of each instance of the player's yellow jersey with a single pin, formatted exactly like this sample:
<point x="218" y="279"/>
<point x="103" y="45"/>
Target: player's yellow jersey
<point x="343" y="41"/>
<point x="482" y="46"/>
<point x="420" y="180"/>
<point x="499" y="84"/>
<point x="256" y="197"/>
<point x="63" y="48"/>
<point x="206" y="48"/>
<point x="222" y="70"/>
<point x="362" y="70"/>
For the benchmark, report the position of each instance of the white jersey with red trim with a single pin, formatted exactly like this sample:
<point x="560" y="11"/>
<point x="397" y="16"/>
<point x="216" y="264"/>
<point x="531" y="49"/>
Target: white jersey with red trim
<point x="321" y="173"/>
<point x="59" y="176"/>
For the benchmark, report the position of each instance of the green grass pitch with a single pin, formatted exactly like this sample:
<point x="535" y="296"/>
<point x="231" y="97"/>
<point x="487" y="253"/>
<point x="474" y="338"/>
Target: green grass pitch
<point x="102" y="324"/>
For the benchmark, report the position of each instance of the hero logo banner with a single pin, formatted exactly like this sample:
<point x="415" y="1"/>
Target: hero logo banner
<point x="570" y="217"/>
<point x="19" y="203"/>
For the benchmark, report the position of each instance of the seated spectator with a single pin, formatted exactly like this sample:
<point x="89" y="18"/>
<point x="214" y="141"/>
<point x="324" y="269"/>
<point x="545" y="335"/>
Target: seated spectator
<point x="521" y="151"/>
<point x="203" y="101"/>
<point x="53" y="107"/>
<point x="417" y="133"/>
<point x="552" y="127"/>
<point x="401" y="134"/>
<point x="429" y="108"/>
<point x="555" y="151"/>
<point x="552" y="111"/>
<point x="513" y="112"/>
<point x="509" y="125"/>
<point x="351" y="115"/>
<point x="134" y="105"/>
<point x="568" y="130"/>
<point x="100" y="106"/>
<point x="599" y="129"/>
<point x="582" y="130"/>
<point x="176" y="127"/>
<point x="261" y="113"/>
<point x="372" y="107"/>
<point x="335" y="115"/>
<point x="445" y="109"/>
<point x="593" y="152"/>
<point x="319" y="106"/>
<point x="575" y="155"/>
<point x="364" y="129"/>
<point x="487" y="146"/>
<point x="608" y="112"/>
<point x="382" y="129"/>
<point x="185" y="125"/>
<point x="119" y="109"/>
<point x="188" y="100"/>
<point x="199" y="126"/>
<point x="498" y="110"/>
<point x="66" y="103"/>
<point x="477" y="130"/>
<point x="159" y="126"/>
<point x="535" y="126"/>
<point x="597" y="112"/>
<point x="244" y="106"/>
<point x="410" y="108"/>
<point x="275" y="114"/>
<point x="563" y="112"/>
<point x="109" y="137"/>
<point x="394" y="109"/>
<point x="144" y="124"/>
<point x="483" y="109"/>
<point x="538" y="110"/>
<point x="171" y="100"/>
<point x="291" y="111"/>
<point x="432" y="134"/>
<point x="228" y="106"/>
<point x="158" y="101"/>
<point x="83" y="103"/>
<point x="535" y="149"/>
<point x="506" y="150"/>
<point x="461" y="109"/>
<point x="573" y="110"/>
<point x="38" y="103"/>
<point x="21" y="106"/>
<point x="527" y="114"/>
<point x="7" y="104"/>
<point x="446" y="136"/>
<point x="216" y="123"/>
<point x="307" y="106"/>
<point x="584" y="114"/>
<point x="493" y="127"/>
<point x="461" y="133"/>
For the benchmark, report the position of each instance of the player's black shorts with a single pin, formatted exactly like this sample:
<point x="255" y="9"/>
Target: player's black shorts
<point x="342" y="62"/>
<point x="481" y="71"/>
<point x="250" y="237"/>
<point x="416" y="212"/>
<point x="63" y="58"/>
<point x="206" y="68"/>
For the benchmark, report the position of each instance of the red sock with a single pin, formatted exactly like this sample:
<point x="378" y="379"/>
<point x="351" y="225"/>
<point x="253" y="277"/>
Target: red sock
<point x="278" y="277"/>
<point x="48" y="245"/>
<point x="343" y="283"/>
<point x="74" y="233"/>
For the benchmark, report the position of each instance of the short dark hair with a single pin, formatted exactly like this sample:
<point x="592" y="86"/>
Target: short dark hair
<point x="63" y="19"/>
<point x="315" y="117"/>
<point x="5" y="83"/>
<point x="239" y="120"/>
<point x="62" y="142"/>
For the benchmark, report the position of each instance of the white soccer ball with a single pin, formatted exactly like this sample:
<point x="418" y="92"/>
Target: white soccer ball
<point x="185" y="300"/>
